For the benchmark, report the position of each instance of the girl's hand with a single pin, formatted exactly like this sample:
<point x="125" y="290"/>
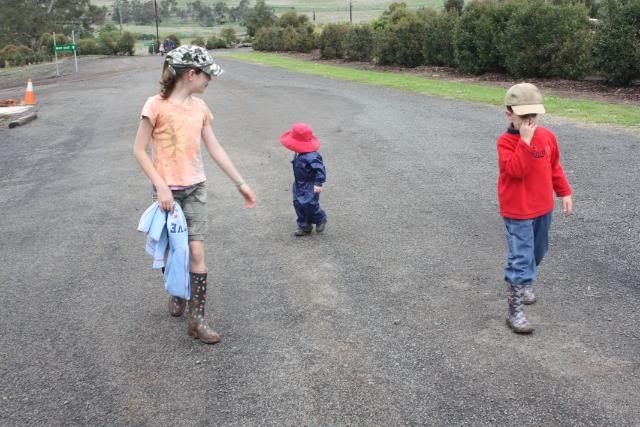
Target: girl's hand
<point x="567" y="205"/>
<point x="165" y="198"/>
<point x="317" y="189"/>
<point x="249" y="196"/>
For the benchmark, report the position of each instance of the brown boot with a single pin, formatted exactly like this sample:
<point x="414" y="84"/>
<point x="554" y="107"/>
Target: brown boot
<point x="177" y="306"/>
<point x="197" y="325"/>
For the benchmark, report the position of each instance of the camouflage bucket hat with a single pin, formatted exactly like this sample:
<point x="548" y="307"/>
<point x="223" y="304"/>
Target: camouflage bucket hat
<point x="190" y="56"/>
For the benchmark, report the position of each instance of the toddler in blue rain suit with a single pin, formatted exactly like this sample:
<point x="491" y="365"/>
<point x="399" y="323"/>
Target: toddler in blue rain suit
<point x="309" y="176"/>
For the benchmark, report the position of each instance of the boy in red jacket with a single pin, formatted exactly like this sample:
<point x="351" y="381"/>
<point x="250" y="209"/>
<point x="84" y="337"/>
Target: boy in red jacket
<point x="530" y="172"/>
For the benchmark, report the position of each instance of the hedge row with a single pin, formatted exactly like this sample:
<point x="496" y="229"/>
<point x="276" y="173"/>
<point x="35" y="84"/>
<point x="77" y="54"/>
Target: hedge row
<point x="518" y="37"/>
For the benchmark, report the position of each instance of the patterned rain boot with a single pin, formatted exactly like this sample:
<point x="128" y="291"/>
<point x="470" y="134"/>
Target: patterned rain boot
<point x="528" y="297"/>
<point x="517" y="320"/>
<point x="177" y="306"/>
<point x="197" y="325"/>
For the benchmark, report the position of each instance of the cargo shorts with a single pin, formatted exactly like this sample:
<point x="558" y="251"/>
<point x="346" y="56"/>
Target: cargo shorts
<point x="193" y="201"/>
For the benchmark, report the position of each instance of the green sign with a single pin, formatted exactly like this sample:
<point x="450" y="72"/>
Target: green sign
<point x="65" y="47"/>
<point x="149" y="43"/>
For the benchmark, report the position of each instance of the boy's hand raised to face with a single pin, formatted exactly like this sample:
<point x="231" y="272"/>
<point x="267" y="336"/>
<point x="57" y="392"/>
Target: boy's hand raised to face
<point x="527" y="129"/>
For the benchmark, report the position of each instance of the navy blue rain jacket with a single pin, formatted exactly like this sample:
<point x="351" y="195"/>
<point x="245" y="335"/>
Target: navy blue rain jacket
<point x="308" y="170"/>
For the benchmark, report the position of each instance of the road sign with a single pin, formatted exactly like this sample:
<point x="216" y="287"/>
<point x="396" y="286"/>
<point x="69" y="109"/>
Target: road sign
<point x="149" y="43"/>
<point x="65" y="47"/>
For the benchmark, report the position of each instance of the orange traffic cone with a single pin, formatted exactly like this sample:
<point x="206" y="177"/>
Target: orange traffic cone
<point x="29" y="95"/>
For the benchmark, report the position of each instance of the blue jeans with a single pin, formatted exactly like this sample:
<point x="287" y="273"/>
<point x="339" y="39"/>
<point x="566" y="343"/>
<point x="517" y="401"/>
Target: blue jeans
<point x="528" y="241"/>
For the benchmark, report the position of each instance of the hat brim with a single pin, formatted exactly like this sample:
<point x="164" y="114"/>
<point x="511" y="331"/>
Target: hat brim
<point x="213" y="70"/>
<point x="522" y="110"/>
<point x="300" y="147"/>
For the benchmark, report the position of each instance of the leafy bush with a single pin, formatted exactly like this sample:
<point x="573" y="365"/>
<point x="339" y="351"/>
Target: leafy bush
<point x="544" y="40"/>
<point x="438" y="47"/>
<point x="269" y="39"/>
<point x="88" y="47"/>
<point x="127" y="44"/>
<point x="46" y="42"/>
<point x="199" y="41"/>
<point x="617" y="45"/>
<point x="392" y="15"/>
<point x="214" y="42"/>
<point x="401" y="43"/>
<point x="229" y="36"/>
<point x="481" y="33"/>
<point x="16" y="56"/>
<point x="108" y="38"/>
<point x="359" y="43"/>
<point x="333" y="41"/>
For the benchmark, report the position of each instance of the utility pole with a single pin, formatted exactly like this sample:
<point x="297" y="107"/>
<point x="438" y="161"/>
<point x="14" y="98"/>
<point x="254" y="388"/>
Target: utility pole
<point x="350" y="12"/>
<point x="119" y="6"/>
<point x="155" y="8"/>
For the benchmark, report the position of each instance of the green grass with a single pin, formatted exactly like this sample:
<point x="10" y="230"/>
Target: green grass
<point x="576" y="109"/>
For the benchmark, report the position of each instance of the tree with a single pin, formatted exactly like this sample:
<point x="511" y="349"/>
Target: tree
<point x="238" y="13"/>
<point x="454" y="5"/>
<point x="24" y="21"/>
<point x="220" y="12"/>
<point x="260" y="16"/>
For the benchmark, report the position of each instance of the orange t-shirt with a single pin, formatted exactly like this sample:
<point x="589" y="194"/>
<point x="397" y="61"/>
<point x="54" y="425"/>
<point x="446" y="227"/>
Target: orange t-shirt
<point x="176" y="138"/>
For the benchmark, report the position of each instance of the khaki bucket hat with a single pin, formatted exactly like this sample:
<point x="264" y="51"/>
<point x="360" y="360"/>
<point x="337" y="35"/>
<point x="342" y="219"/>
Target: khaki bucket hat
<point x="524" y="98"/>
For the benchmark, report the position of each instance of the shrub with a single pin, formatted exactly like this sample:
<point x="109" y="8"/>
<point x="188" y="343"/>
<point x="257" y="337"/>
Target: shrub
<point x="438" y="47"/>
<point x="215" y="43"/>
<point x="88" y="47"/>
<point x="126" y="44"/>
<point x="16" y="56"/>
<point x="306" y="38"/>
<point x="480" y="34"/>
<point x="401" y="43"/>
<point x="617" y="45"/>
<point x="392" y="15"/>
<point x="229" y="36"/>
<point x="108" y="40"/>
<point x="46" y="42"/>
<point x="199" y="41"/>
<point x="359" y="43"/>
<point x="544" y="40"/>
<point x="333" y="40"/>
<point x="269" y="39"/>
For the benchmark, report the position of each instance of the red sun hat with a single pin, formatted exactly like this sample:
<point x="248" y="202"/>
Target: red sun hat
<point x="300" y="139"/>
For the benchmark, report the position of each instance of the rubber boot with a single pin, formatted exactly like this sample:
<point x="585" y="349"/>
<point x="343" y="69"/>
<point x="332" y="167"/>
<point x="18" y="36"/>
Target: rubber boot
<point x="198" y="328"/>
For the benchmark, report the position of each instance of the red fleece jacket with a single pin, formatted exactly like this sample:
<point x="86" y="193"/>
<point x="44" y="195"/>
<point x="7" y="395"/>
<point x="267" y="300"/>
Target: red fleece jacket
<point x="529" y="174"/>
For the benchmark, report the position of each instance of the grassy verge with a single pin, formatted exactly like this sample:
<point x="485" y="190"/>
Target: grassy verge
<point x="576" y="109"/>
